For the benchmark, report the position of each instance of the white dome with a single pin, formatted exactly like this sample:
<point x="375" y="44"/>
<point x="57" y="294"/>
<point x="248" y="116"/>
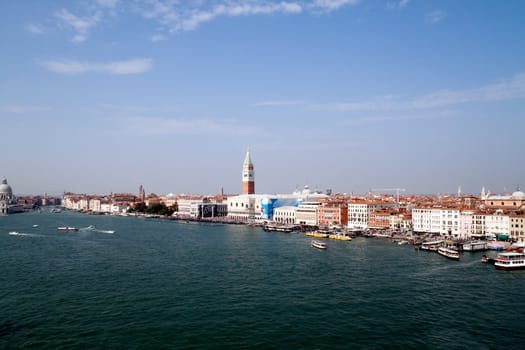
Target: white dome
<point x="519" y="195"/>
<point x="5" y="188"/>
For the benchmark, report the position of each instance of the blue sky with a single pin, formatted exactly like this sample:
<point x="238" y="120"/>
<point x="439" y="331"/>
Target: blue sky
<point x="103" y="96"/>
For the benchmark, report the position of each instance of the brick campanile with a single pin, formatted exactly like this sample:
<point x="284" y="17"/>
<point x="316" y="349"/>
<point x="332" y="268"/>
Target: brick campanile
<point x="248" y="175"/>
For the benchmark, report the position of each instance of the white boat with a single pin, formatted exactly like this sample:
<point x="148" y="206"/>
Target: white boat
<point x="510" y="261"/>
<point x="318" y="244"/>
<point x="433" y="246"/>
<point x="67" y="228"/>
<point x="35" y="226"/>
<point x="472" y="246"/>
<point x="14" y="233"/>
<point x="448" y="253"/>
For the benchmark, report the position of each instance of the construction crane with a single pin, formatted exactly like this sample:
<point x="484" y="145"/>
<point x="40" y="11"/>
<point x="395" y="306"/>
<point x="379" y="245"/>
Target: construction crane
<point x="397" y="190"/>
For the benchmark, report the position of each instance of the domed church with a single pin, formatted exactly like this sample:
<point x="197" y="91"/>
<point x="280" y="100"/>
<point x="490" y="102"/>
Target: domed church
<point x="8" y="202"/>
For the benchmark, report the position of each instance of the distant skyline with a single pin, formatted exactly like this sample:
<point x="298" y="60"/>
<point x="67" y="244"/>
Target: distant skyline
<point x="103" y="96"/>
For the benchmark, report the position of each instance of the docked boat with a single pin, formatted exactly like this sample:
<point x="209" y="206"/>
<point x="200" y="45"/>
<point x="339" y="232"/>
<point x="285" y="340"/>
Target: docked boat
<point x="67" y="228"/>
<point x="340" y="237"/>
<point x="510" y="261"/>
<point x="473" y="246"/>
<point x="433" y="246"/>
<point x="318" y="244"/>
<point x="448" y="253"/>
<point x="317" y="234"/>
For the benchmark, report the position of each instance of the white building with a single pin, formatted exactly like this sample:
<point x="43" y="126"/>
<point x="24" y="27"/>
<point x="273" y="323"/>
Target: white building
<point x="442" y="221"/>
<point x="8" y="203"/>
<point x="307" y="213"/>
<point x="188" y="207"/>
<point x="359" y="211"/>
<point x="497" y="224"/>
<point x="285" y="215"/>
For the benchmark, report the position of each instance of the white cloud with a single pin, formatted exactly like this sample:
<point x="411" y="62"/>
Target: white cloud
<point x="186" y="16"/>
<point x="332" y="5"/>
<point x="435" y="16"/>
<point x="196" y="17"/>
<point x="503" y="91"/>
<point x="34" y="29"/>
<point x="80" y="25"/>
<point x="133" y="66"/>
<point x="178" y="15"/>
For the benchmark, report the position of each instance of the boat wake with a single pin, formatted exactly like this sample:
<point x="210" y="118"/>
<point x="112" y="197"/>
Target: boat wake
<point x="94" y="229"/>
<point x="15" y="233"/>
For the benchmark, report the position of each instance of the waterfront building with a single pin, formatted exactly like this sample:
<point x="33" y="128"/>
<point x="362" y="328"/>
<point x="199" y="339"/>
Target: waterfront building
<point x="308" y="213"/>
<point x="95" y="204"/>
<point x="444" y="221"/>
<point x="212" y="210"/>
<point x="333" y="213"/>
<point x="8" y="202"/>
<point x="517" y="227"/>
<point x="380" y="219"/>
<point x="73" y="201"/>
<point x="261" y="207"/>
<point x="188" y="206"/>
<point x="472" y="224"/>
<point x="248" y="175"/>
<point x="360" y="209"/>
<point x="497" y="225"/>
<point x="285" y="215"/>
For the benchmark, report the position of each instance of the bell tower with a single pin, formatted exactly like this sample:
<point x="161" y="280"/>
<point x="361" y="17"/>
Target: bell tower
<point x="248" y="175"/>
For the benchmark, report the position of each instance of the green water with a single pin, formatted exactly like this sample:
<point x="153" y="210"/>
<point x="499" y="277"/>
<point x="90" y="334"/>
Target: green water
<point x="157" y="284"/>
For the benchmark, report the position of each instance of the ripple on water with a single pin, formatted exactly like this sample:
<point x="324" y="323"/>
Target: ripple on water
<point x="168" y="285"/>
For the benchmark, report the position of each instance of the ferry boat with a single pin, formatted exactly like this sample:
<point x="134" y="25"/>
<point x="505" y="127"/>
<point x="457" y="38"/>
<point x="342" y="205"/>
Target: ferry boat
<point x="433" y="246"/>
<point x="510" y="261"/>
<point x="318" y="244"/>
<point x="448" y="253"/>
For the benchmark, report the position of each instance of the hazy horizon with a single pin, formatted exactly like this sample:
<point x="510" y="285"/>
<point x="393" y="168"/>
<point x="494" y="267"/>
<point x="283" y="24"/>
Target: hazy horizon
<point x="104" y="96"/>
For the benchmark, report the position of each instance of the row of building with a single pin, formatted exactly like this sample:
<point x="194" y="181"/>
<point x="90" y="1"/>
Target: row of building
<point x="460" y="217"/>
<point x="455" y="217"/>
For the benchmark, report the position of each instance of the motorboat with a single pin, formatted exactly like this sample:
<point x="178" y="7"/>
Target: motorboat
<point x="317" y="234"/>
<point x="340" y="237"/>
<point x="510" y="261"/>
<point x="67" y="228"/>
<point x="318" y="244"/>
<point x="448" y="253"/>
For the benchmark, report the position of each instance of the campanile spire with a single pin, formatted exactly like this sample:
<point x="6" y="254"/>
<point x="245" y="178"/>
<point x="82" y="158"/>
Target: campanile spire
<point x="248" y="175"/>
